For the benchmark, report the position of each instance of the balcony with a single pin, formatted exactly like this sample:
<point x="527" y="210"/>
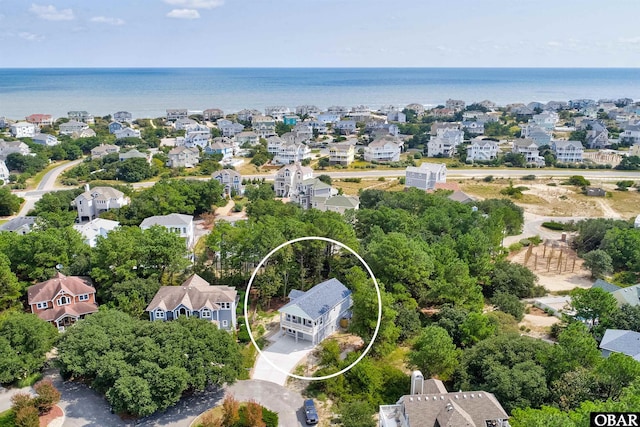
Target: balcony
<point x="297" y="326"/>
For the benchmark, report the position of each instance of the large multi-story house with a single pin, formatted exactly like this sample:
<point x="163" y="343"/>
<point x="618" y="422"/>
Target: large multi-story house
<point x="115" y="126"/>
<point x="482" y="150"/>
<point x="45" y="139"/>
<point x="40" y="119"/>
<point x="183" y="123"/>
<point x="441" y="147"/>
<point x="176" y="223"/>
<point x="529" y="149"/>
<point x="455" y="104"/>
<point x="72" y="127"/>
<point x="23" y="130"/>
<point x="277" y="112"/>
<point x="291" y="153"/>
<point x="62" y="300"/>
<point x="196" y="298"/>
<point x="309" y="110"/>
<point x="567" y="151"/>
<point x="211" y="114"/>
<point x="123" y="117"/>
<point x="340" y="110"/>
<point x="221" y="145"/>
<point x="81" y="116"/>
<point x="93" y="202"/>
<point x="250" y="138"/>
<point x="263" y="126"/>
<point x="396" y="116"/>
<point x="199" y="138"/>
<point x="289" y="177"/>
<point x="426" y="176"/>
<point x="103" y="150"/>
<point x="416" y="108"/>
<point x="540" y="135"/>
<point x="474" y="127"/>
<point x="431" y="405"/>
<point x="345" y="127"/>
<point x="326" y="118"/>
<point x="384" y="149"/>
<point x="230" y="180"/>
<point x="315" y="314"/>
<point x="546" y="120"/>
<point x="183" y="157"/>
<point x="273" y="144"/>
<point x="176" y="114"/>
<point x="8" y="147"/>
<point x="312" y="190"/>
<point x="4" y="172"/>
<point x="247" y="115"/>
<point x="597" y="133"/>
<point x="229" y="128"/>
<point x="342" y="154"/>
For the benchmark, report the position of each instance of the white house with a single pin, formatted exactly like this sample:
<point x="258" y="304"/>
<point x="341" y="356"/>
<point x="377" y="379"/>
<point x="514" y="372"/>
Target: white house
<point x="183" y="157"/>
<point x="72" y="127"/>
<point x="342" y="154"/>
<point x="277" y="112"/>
<point x="273" y="144"/>
<point x="338" y="203"/>
<point x="81" y="116"/>
<point x="426" y="176"/>
<point x="127" y="132"/>
<point x="530" y="150"/>
<point x="45" y="139"/>
<point x="93" y="202"/>
<point x="263" y="126"/>
<point x="482" y="150"/>
<point x="445" y="142"/>
<point x="94" y="228"/>
<point x="291" y="153"/>
<point x="311" y="189"/>
<point x="568" y="151"/>
<point x="198" y="138"/>
<point x="175" y="114"/>
<point x="211" y="114"/>
<point x="250" y="138"/>
<point x="384" y="149"/>
<point x="636" y="223"/>
<point x="23" y="130"/>
<point x="4" y="172"/>
<point x="103" y="150"/>
<point x="196" y="298"/>
<point x="8" y="147"/>
<point x="230" y="180"/>
<point x="289" y="177"/>
<point x="183" y="123"/>
<point x="176" y="223"/>
<point x="122" y="117"/>
<point x="315" y="314"/>
<point x="546" y="120"/>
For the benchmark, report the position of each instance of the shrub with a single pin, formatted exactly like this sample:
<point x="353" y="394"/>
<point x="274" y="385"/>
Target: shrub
<point x="488" y="178"/>
<point x="514" y="247"/>
<point x="552" y="225"/>
<point x="417" y="155"/>
<point x="27" y="417"/>
<point x="535" y="240"/>
<point x="529" y="178"/>
<point x="382" y="178"/>
<point x="47" y="396"/>
<point x="356" y="180"/>
<point x="270" y="418"/>
<point x="577" y="180"/>
<point x="525" y="242"/>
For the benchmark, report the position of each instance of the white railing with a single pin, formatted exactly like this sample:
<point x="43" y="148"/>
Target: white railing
<point x="297" y="327"/>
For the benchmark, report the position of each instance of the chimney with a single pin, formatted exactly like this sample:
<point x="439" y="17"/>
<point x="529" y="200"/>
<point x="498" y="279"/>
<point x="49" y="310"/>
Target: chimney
<point x="86" y="187"/>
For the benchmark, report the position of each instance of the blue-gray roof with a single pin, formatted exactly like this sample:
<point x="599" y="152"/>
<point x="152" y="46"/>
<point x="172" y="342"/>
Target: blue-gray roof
<point x="622" y="341"/>
<point x="319" y="299"/>
<point x="295" y="294"/>
<point x="18" y="222"/>
<point x="605" y="286"/>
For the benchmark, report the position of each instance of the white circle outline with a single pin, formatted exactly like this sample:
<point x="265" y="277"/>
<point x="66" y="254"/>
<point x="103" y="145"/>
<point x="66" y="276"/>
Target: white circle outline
<point x="246" y="303"/>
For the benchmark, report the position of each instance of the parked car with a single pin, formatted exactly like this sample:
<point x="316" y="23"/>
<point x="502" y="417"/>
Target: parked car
<point x="311" y="415"/>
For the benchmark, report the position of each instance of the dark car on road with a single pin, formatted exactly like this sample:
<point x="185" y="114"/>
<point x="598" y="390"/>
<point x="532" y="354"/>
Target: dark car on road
<point x="310" y="413"/>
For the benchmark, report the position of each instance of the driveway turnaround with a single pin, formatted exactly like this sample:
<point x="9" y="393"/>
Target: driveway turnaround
<point x="285" y="353"/>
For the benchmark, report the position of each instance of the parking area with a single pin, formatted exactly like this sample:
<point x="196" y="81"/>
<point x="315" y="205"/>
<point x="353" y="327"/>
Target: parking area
<point x="285" y="353"/>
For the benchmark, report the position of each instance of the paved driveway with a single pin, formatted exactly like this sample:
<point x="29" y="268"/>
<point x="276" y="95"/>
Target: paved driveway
<point x="285" y="353"/>
<point x="287" y="403"/>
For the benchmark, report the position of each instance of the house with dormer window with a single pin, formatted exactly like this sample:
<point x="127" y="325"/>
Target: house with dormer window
<point x="315" y="314"/>
<point x="196" y="298"/>
<point x="62" y="300"/>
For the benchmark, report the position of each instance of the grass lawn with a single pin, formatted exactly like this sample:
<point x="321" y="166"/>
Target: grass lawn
<point x="35" y="180"/>
<point x="7" y="419"/>
<point x="626" y="203"/>
<point x="352" y="188"/>
<point x="249" y="354"/>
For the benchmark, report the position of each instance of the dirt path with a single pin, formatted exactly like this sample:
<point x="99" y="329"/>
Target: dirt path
<point x="607" y="210"/>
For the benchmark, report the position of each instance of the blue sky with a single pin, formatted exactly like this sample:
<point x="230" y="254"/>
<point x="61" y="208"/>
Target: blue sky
<point x="319" y="33"/>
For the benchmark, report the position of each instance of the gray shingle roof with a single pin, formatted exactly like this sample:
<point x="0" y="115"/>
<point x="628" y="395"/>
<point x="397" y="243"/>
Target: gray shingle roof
<point x="605" y="286"/>
<point x="18" y="222"/>
<point x="195" y="294"/>
<point x="629" y="295"/>
<point x="166" y="220"/>
<point x="622" y="341"/>
<point x="319" y="299"/>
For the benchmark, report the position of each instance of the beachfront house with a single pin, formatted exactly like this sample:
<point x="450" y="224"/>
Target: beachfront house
<point x="315" y="314"/>
<point x="342" y="154"/>
<point x="277" y="112"/>
<point x="426" y="176"/>
<point x="308" y="110"/>
<point x="183" y="157"/>
<point x="92" y="202"/>
<point x="196" y="298"/>
<point x="123" y="117"/>
<point x="289" y="178"/>
<point x="81" y="116"/>
<point x="180" y="224"/>
<point x="177" y="114"/>
<point x="231" y="182"/>
<point x="567" y="151"/>
<point x="62" y="300"/>
<point x="212" y="114"/>
<point x="23" y="130"/>
<point x="72" y="126"/>
<point x="40" y="119"/>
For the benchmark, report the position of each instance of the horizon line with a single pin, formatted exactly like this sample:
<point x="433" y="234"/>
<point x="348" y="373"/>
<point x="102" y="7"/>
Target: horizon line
<point x="317" y="67"/>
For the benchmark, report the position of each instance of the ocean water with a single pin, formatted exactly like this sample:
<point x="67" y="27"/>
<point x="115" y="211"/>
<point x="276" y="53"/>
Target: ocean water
<point x="148" y="92"/>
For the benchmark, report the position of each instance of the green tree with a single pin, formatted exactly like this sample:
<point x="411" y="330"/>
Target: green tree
<point x="24" y="341"/>
<point x="10" y="289"/>
<point x="598" y="262"/>
<point x="475" y="328"/>
<point x="9" y="203"/>
<point x="434" y="353"/>
<point x="592" y="304"/>
<point x="574" y="387"/>
<point x="514" y="279"/>
<point x="357" y="414"/>
<point x="624" y="317"/>
<point x="623" y="246"/>
<point x="576" y="348"/>
<point x="615" y="373"/>
<point x="131" y="395"/>
<point x="508" y="303"/>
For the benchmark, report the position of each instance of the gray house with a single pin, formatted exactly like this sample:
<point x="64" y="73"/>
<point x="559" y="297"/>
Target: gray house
<point x="196" y="298"/>
<point x="315" y="314"/>
<point x="621" y="341"/>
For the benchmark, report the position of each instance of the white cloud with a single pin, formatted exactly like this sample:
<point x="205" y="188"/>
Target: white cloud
<point x="196" y="4"/>
<point x="554" y="43"/>
<point x="50" y="13"/>
<point x="31" y="36"/>
<point x="183" y="14"/>
<point x="107" y="20"/>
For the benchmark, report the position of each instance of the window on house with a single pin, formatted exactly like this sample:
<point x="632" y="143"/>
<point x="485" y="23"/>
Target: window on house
<point x="41" y="305"/>
<point x="64" y="300"/>
<point x="160" y="314"/>
<point x="206" y="313"/>
<point x="83" y="297"/>
<point x="288" y="317"/>
<point x="225" y="323"/>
